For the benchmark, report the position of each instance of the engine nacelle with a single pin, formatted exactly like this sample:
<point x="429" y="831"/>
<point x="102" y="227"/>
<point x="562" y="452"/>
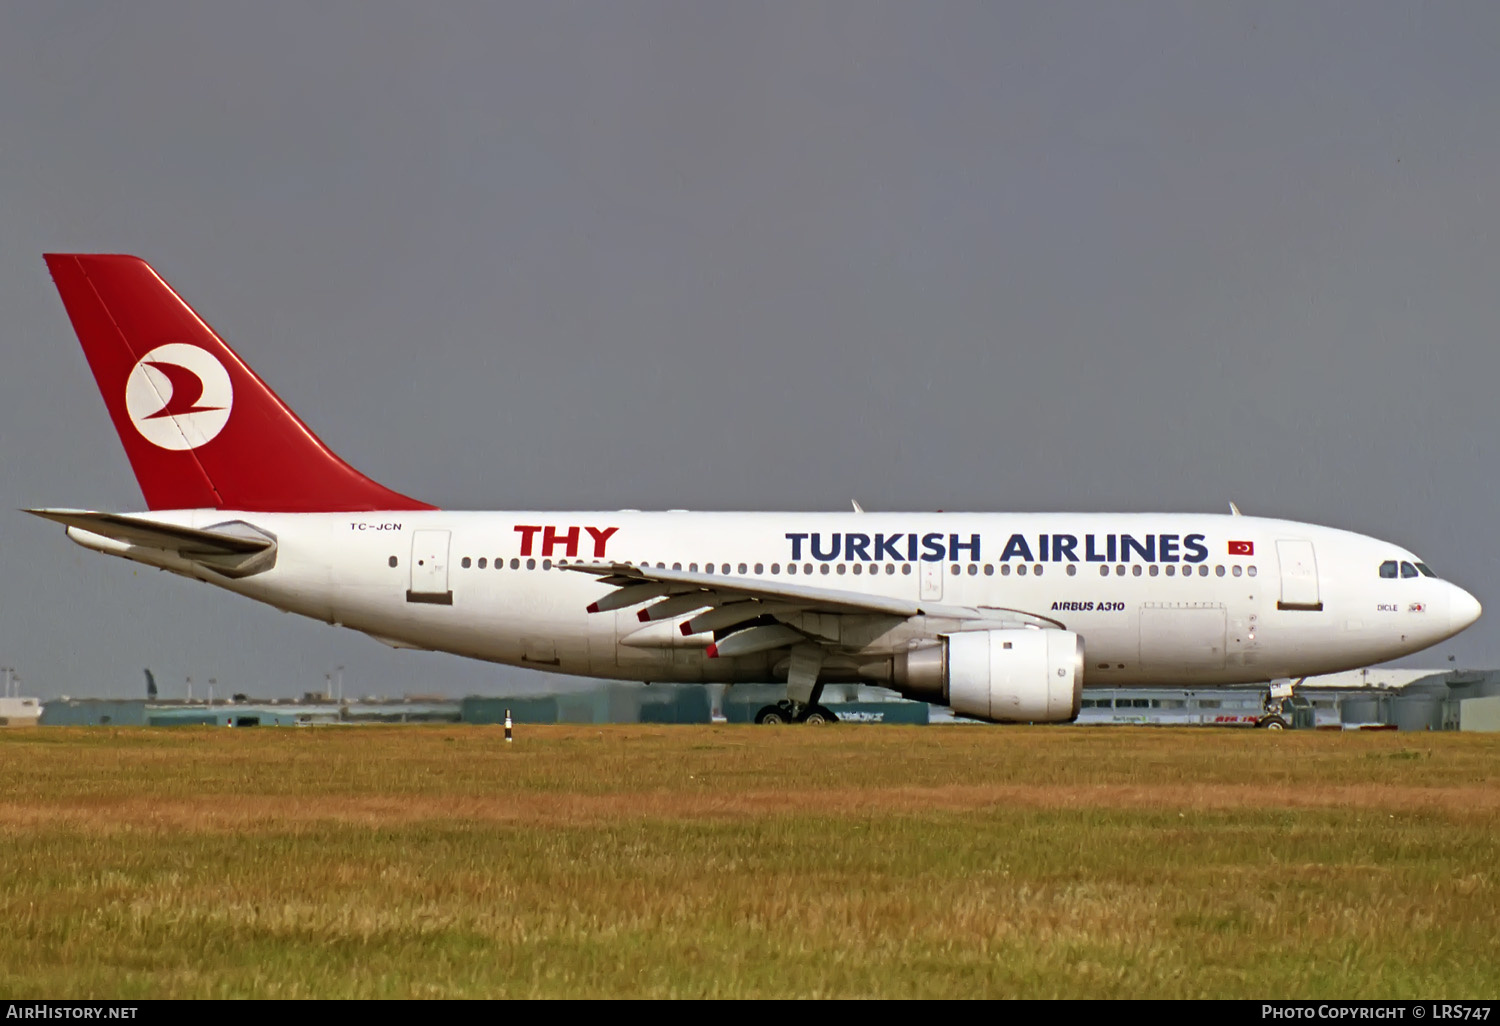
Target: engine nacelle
<point x="1005" y="676"/>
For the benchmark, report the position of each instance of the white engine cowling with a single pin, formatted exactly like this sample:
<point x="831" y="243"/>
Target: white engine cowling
<point x="1012" y="676"/>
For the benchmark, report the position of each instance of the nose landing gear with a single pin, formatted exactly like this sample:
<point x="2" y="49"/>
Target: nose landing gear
<point x="1280" y="704"/>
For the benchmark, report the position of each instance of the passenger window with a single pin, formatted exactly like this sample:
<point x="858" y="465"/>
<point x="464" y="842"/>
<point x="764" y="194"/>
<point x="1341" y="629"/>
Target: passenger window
<point x="1104" y="571"/>
<point x="725" y="568"/>
<point x="1136" y="570"/>
<point x="1219" y="569"/>
<point x="823" y="569"/>
<point x="955" y="570"/>
<point x="676" y="566"/>
<point x="465" y="563"/>
<point x="1250" y="570"/>
<point x="515" y="564"/>
<point x="1237" y="570"/>
<point x="1005" y="570"/>
<point x="840" y="569"/>
<point x="989" y="569"/>
<point x="742" y="569"/>
<point x="1154" y="570"/>
<point x="1171" y="570"/>
<point x="546" y="564"/>
<point x="1407" y="570"/>
<point x="1037" y="569"/>
<point x="973" y="569"/>
<point x="906" y="569"/>
<point x="392" y="561"/>
<point x="1388" y="568"/>
<point x="1021" y="570"/>
<point x="890" y="569"/>
<point x="692" y="568"/>
<point x="760" y="568"/>
<point x="1072" y="570"/>
<point x="531" y="564"/>
<point x="1120" y="570"/>
<point x="483" y="562"/>
<point x="791" y="568"/>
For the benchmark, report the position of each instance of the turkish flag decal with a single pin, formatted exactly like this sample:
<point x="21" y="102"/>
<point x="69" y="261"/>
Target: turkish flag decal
<point x="1241" y="548"/>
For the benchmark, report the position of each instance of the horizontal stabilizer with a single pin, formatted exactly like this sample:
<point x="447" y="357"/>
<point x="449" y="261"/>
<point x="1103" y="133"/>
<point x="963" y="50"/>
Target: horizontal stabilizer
<point x="237" y="539"/>
<point x="232" y="549"/>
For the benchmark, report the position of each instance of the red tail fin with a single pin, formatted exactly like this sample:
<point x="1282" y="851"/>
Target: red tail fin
<point x="200" y="428"/>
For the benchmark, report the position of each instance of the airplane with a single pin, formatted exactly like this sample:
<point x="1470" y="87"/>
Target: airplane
<point x="1001" y="616"/>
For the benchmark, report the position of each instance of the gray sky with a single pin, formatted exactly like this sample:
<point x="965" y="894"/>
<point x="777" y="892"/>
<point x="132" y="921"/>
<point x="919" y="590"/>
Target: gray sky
<point x="1091" y="256"/>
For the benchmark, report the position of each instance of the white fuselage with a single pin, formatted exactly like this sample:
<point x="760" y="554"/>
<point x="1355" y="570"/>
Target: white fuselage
<point x="1156" y="598"/>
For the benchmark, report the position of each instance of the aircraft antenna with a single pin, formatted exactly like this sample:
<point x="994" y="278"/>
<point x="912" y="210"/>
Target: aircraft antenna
<point x="857" y="507"/>
<point x="1235" y="509"/>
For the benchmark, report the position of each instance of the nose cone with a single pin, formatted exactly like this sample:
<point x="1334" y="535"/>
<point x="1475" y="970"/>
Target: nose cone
<point x="1463" y="609"/>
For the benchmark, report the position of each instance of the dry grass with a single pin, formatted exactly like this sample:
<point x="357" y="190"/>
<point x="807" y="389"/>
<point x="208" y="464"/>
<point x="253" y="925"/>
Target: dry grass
<point x="741" y="861"/>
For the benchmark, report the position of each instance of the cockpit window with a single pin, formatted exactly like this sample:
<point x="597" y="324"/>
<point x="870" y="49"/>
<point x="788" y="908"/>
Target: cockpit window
<point x="1426" y="572"/>
<point x="1407" y="570"/>
<point x="1388" y="568"/>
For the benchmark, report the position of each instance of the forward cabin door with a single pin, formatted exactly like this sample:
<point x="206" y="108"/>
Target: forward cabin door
<point x="1299" y="576"/>
<point x="429" y="568"/>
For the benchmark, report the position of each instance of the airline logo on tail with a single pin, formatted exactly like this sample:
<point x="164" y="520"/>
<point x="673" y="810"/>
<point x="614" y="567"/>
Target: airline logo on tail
<point x="178" y="396"/>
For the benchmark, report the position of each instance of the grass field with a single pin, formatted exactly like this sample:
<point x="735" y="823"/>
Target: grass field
<point x="748" y="862"/>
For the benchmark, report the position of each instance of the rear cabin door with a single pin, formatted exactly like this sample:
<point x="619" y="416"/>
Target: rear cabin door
<point x="1299" y="575"/>
<point x="429" y="568"/>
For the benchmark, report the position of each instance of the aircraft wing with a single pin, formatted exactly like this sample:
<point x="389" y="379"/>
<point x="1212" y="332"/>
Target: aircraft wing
<point x="748" y="615"/>
<point x="636" y="584"/>
<point x="745" y="615"/>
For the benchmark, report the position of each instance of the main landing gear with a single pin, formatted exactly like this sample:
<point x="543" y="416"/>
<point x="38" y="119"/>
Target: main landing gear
<point x="788" y="711"/>
<point x="803" y="691"/>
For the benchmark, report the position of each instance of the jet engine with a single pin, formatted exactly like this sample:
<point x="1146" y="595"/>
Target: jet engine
<point x="1005" y="676"/>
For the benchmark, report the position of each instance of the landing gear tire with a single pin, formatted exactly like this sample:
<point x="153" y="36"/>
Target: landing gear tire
<point x="774" y="715"/>
<point x="1272" y="723"/>
<point x="817" y="716"/>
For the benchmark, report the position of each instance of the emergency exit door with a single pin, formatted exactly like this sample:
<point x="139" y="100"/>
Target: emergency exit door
<point x="932" y="581"/>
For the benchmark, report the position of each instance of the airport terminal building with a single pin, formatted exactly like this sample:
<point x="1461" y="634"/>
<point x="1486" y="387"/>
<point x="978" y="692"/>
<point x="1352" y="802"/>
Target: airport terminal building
<point x="1361" y="699"/>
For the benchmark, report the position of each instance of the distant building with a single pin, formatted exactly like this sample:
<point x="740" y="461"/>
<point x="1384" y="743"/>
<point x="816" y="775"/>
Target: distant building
<point x="249" y="713"/>
<point x="1401" y="699"/>
<point x="20" y="712"/>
